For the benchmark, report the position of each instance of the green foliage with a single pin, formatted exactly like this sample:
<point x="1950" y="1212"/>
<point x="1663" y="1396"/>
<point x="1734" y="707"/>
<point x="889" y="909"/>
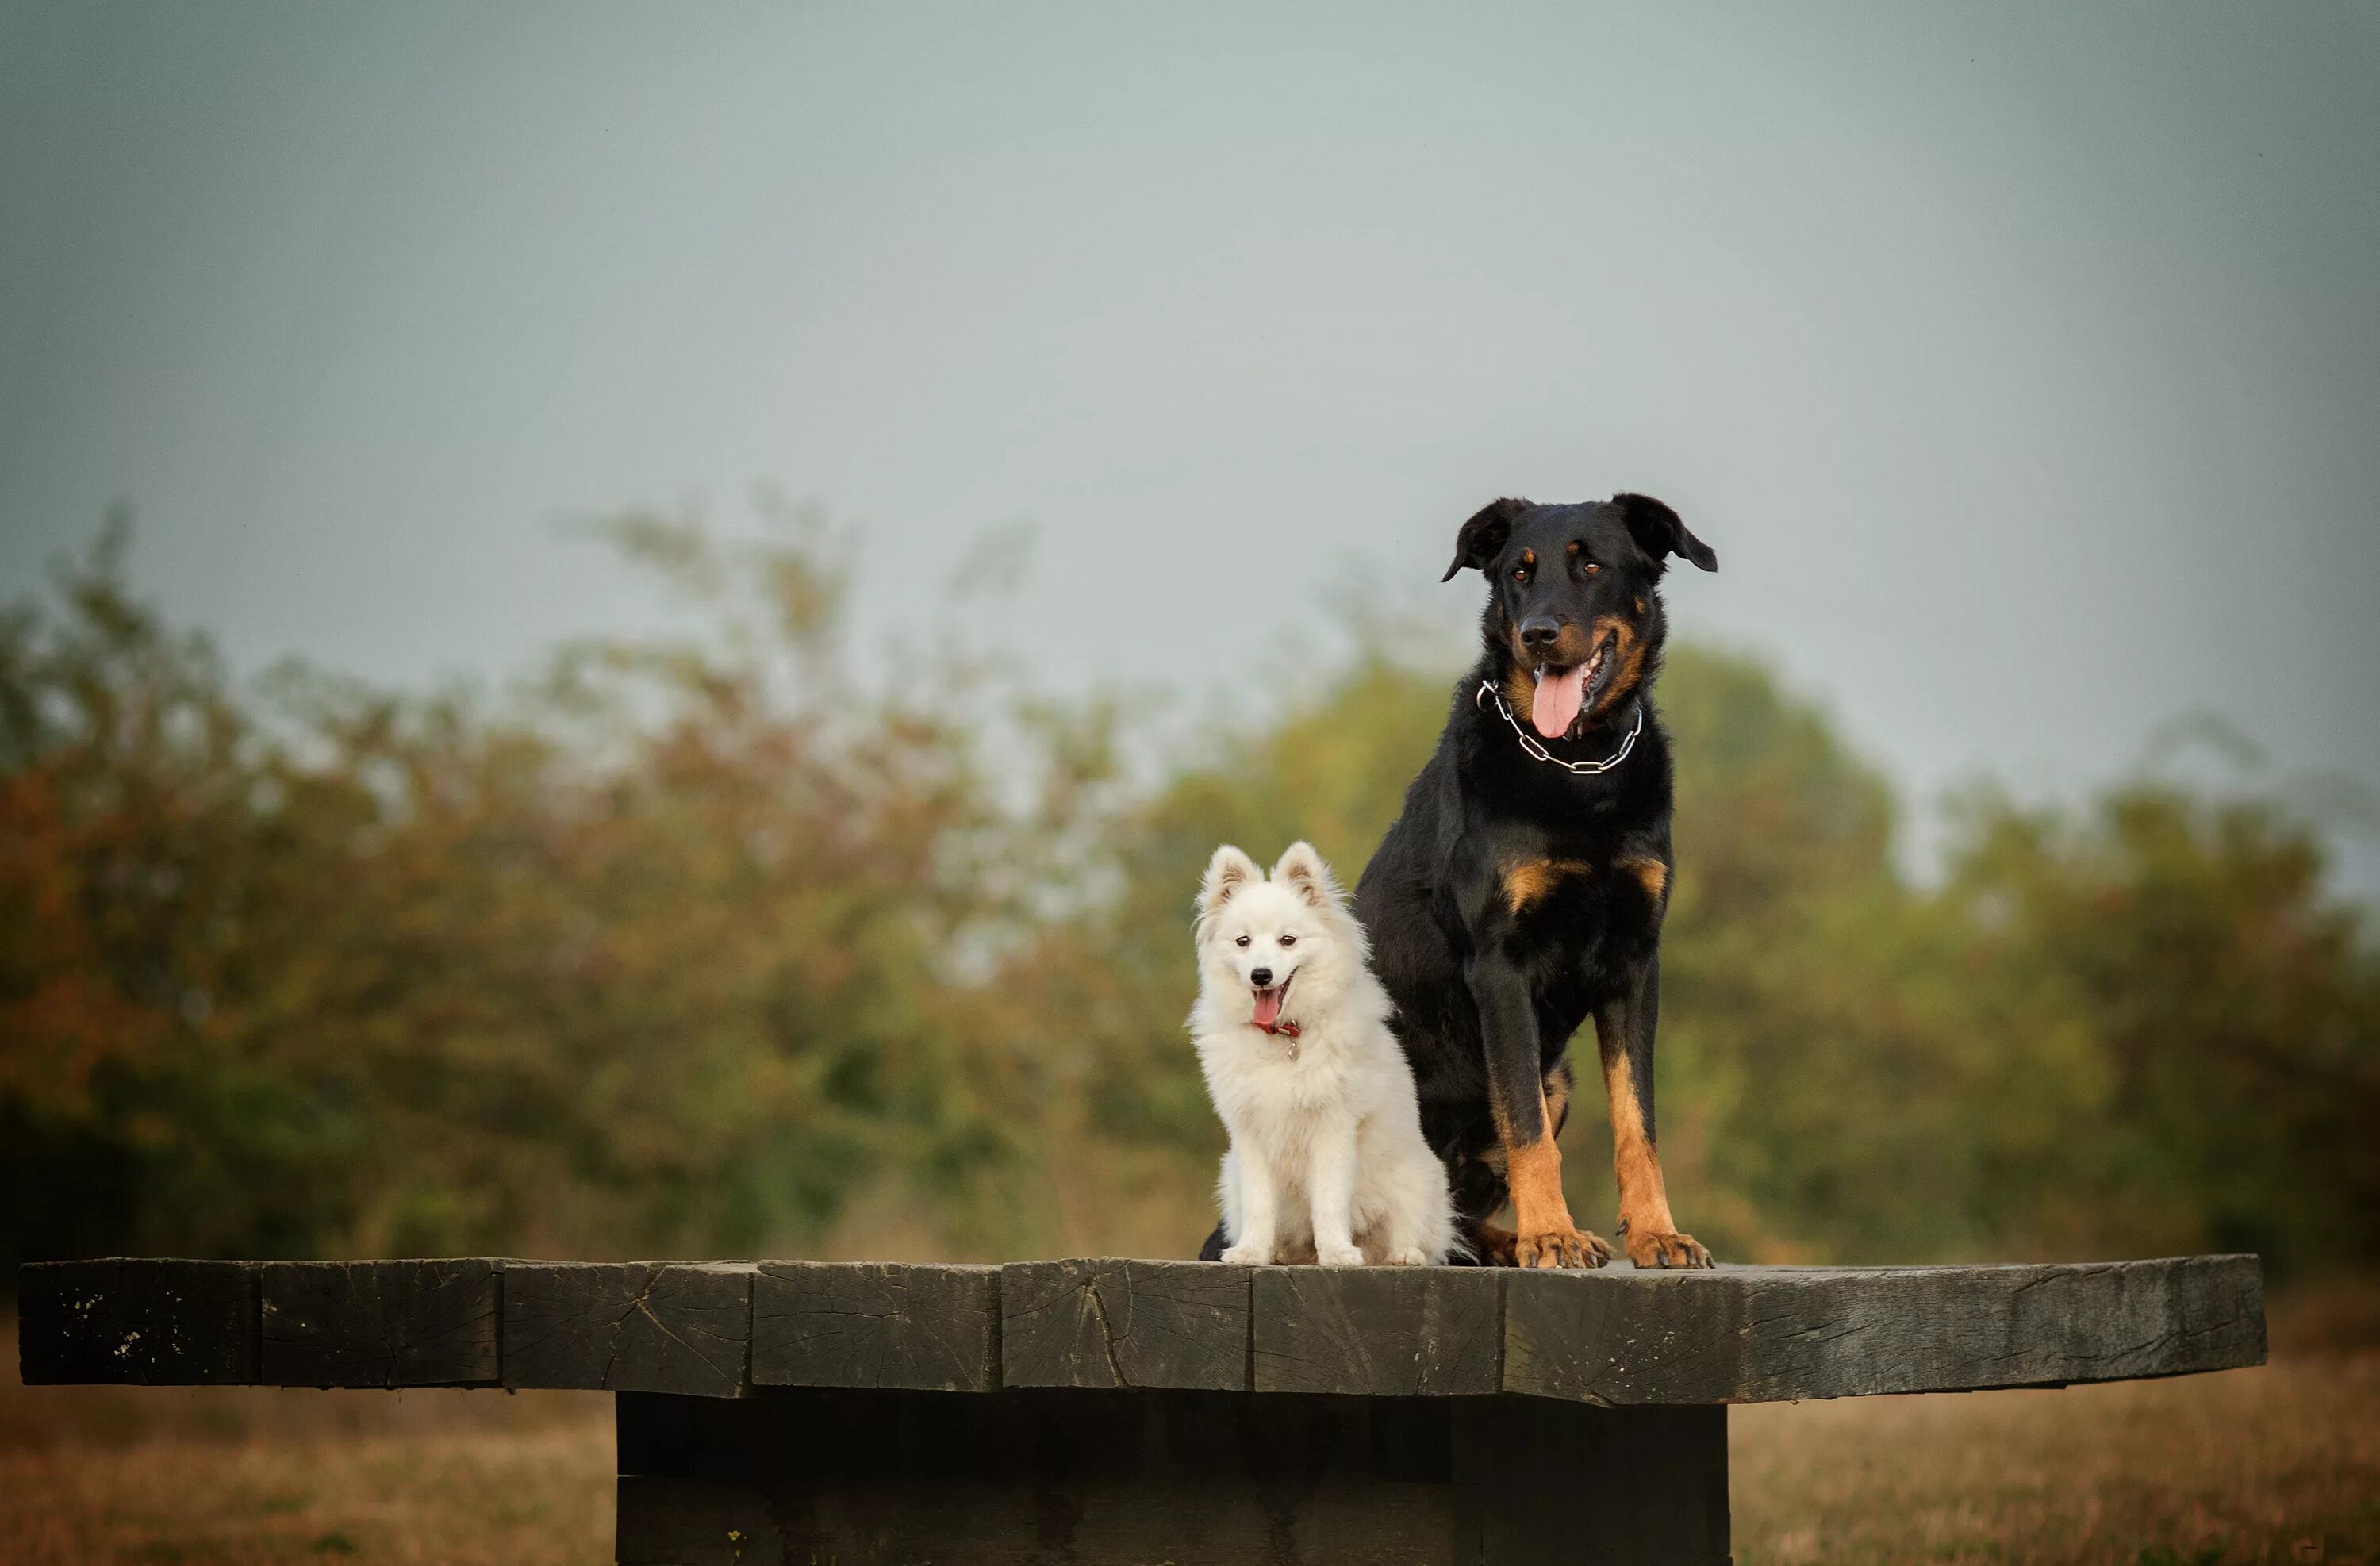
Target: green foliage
<point x="2233" y="1013"/>
<point x="652" y="966"/>
<point x="708" y="948"/>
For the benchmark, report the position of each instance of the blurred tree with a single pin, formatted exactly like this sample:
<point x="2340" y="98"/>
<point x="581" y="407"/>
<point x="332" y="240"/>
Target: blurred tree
<point x="712" y="947"/>
<point x="659" y="964"/>
<point x="136" y="838"/>
<point x="2233" y="1012"/>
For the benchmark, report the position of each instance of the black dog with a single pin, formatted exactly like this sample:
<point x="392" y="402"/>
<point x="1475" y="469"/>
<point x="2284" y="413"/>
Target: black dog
<point x="1522" y="889"/>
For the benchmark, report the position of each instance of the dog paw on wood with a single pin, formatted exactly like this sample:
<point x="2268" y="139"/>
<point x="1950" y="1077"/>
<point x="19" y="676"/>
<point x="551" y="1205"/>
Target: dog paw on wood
<point x="1668" y="1248"/>
<point x="1563" y="1246"/>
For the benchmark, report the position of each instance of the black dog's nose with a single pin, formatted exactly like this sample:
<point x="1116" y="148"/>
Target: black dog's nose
<point x="1261" y="978"/>
<point x="1540" y="631"/>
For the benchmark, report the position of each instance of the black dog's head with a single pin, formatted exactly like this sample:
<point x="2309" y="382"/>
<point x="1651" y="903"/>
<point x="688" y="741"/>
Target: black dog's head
<point x="1574" y="621"/>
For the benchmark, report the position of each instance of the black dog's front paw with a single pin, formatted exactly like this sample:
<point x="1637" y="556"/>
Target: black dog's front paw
<point x="1560" y="1247"/>
<point x="1658" y="1248"/>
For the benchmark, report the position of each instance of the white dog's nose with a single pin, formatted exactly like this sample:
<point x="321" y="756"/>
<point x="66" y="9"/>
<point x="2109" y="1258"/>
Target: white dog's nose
<point x="1261" y="978"/>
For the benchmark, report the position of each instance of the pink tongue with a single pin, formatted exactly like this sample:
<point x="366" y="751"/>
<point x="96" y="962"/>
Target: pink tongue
<point x="1557" y="701"/>
<point x="1268" y="1007"/>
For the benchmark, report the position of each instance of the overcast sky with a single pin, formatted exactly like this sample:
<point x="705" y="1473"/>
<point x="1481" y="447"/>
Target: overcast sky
<point x="2022" y="363"/>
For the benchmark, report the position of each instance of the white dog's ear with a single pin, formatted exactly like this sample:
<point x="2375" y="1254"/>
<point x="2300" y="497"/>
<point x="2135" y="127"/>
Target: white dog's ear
<point x="1228" y="872"/>
<point x="1302" y="870"/>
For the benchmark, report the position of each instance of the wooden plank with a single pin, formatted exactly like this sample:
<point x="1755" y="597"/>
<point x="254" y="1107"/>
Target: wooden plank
<point x="1614" y="1337"/>
<point x="1196" y="1478"/>
<point x="679" y="1522"/>
<point x="668" y="1521"/>
<point x="1378" y="1332"/>
<point x="1767" y="1334"/>
<point x="138" y="1323"/>
<point x="876" y="1324"/>
<point x="639" y="1327"/>
<point x="1546" y="1481"/>
<point x="380" y="1323"/>
<point x="1110" y="1322"/>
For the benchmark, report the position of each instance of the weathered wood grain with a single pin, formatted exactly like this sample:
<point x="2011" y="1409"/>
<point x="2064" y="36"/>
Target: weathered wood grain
<point x="1110" y="1322"/>
<point x="1767" y="1334"/>
<point x="1378" y="1332"/>
<point x="642" y="1327"/>
<point x="1613" y="1337"/>
<point x="876" y="1324"/>
<point x="138" y="1323"/>
<point x="380" y="1323"/>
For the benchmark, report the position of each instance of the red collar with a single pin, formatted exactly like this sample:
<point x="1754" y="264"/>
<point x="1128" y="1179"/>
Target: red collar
<point x="1286" y="1029"/>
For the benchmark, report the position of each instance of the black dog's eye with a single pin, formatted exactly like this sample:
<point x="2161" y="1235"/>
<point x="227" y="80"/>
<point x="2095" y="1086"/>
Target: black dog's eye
<point x="1592" y="567"/>
<point x="1289" y="940"/>
<point x="1520" y="573"/>
<point x="1242" y="941"/>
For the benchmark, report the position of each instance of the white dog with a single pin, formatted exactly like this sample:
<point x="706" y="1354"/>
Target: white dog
<point x="1327" y="1161"/>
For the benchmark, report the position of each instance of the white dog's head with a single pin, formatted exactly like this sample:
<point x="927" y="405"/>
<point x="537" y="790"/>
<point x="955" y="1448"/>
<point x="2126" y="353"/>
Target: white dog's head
<point x="1260" y="938"/>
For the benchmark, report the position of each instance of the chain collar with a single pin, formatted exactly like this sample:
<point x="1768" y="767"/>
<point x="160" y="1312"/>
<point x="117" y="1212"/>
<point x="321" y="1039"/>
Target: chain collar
<point x="1529" y="741"/>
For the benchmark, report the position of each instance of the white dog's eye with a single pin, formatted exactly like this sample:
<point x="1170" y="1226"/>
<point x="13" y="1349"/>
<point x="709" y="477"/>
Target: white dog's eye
<point x="1242" y="941"/>
<point x="1289" y="940"/>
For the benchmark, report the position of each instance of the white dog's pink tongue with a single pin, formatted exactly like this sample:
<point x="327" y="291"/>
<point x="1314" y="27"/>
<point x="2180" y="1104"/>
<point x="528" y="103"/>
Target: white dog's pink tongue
<point x="1268" y="1007"/>
<point x="1558" y="697"/>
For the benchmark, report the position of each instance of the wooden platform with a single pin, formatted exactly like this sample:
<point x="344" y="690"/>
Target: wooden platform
<point x="1615" y="1337"/>
<point x="1111" y="1410"/>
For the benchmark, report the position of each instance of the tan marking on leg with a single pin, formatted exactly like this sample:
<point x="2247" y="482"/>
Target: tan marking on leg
<point x="1557" y="1088"/>
<point x="1496" y="1244"/>
<point x="1530" y="880"/>
<point x="1645" y="1226"/>
<point x="1547" y="1237"/>
<point x="1534" y="1171"/>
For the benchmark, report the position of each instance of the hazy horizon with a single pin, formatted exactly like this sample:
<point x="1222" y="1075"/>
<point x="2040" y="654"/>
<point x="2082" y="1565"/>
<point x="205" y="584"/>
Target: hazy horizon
<point x="2023" y="365"/>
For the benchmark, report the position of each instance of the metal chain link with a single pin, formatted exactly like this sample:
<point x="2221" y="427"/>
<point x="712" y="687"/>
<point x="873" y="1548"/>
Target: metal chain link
<point x="1529" y="741"/>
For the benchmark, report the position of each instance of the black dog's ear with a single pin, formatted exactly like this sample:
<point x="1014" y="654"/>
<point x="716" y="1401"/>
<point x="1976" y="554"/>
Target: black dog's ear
<point x="1660" y="534"/>
<point x="1483" y="537"/>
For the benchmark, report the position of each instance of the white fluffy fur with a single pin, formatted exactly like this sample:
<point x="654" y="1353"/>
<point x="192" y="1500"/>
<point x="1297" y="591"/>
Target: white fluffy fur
<point x="1327" y="1161"/>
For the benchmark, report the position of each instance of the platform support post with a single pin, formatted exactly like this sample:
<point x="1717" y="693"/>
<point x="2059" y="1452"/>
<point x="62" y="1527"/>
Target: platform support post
<point x="1022" y="1476"/>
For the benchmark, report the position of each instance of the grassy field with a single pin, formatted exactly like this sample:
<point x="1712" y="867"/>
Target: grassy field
<point x="105" y="1475"/>
<point x="2280" y="1464"/>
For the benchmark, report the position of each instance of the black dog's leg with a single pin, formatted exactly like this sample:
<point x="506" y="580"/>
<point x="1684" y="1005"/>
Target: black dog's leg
<point x="1624" y="1027"/>
<point x="1516" y="1093"/>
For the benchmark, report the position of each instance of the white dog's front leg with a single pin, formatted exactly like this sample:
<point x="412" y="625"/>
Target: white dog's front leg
<point x="1333" y="1183"/>
<point x="1259" y="1207"/>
